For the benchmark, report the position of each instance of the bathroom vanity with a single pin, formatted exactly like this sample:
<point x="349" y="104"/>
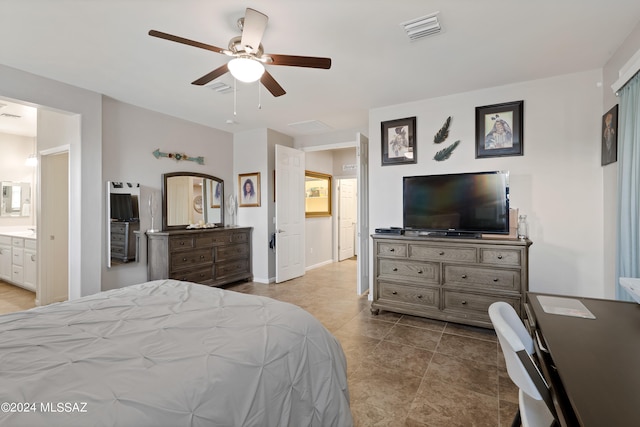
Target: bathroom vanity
<point x="18" y="258"/>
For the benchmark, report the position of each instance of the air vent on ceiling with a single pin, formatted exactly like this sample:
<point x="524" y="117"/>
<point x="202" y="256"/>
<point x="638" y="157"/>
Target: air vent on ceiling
<point x="422" y="27"/>
<point x="10" y="116"/>
<point x="219" y="87"/>
<point x="309" y="126"/>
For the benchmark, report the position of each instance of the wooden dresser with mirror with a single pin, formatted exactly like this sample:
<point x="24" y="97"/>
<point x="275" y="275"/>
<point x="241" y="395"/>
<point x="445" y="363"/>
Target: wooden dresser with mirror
<point x="194" y="245"/>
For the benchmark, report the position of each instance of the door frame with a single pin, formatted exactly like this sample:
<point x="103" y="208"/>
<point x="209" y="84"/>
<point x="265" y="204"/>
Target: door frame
<point x="363" y="245"/>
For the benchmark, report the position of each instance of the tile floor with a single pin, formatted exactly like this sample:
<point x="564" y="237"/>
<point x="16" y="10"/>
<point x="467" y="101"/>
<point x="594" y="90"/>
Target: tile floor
<point x="404" y="370"/>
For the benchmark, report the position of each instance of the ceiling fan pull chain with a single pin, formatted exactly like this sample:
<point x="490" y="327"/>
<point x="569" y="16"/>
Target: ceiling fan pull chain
<point x="259" y="97"/>
<point x="235" y="83"/>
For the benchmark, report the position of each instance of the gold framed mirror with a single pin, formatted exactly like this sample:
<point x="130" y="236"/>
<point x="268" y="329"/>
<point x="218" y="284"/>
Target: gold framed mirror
<point x="317" y="194"/>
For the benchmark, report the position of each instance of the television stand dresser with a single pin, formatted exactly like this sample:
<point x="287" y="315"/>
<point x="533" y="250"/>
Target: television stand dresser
<point x="210" y="256"/>
<point x="449" y="279"/>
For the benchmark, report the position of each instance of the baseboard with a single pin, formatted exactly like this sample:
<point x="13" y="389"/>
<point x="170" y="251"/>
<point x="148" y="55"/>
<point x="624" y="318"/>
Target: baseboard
<point x="321" y="264"/>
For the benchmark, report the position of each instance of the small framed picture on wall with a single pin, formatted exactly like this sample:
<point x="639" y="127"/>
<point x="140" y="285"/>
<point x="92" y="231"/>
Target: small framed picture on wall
<point x="499" y="130"/>
<point x="249" y="190"/>
<point x="399" y="142"/>
<point x="610" y="136"/>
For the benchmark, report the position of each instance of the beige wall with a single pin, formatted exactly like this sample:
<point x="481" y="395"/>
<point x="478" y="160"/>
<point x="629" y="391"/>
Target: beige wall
<point x="557" y="182"/>
<point x="130" y="135"/>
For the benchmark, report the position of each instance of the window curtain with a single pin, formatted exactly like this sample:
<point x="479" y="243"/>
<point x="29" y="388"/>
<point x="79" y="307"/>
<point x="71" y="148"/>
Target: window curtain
<point x="628" y="184"/>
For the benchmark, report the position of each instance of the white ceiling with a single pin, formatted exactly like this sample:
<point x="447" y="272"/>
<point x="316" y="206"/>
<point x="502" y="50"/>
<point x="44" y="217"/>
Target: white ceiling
<point x="104" y="46"/>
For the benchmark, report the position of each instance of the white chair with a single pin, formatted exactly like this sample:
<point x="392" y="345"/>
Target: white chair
<point x="535" y="404"/>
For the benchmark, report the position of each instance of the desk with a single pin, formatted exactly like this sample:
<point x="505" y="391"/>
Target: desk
<point x="597" y="362"/>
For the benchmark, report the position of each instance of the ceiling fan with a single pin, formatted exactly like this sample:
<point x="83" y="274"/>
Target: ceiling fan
<point x="248" y="54"/>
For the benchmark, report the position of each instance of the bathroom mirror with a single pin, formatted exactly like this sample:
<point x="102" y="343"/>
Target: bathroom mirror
<point x="123" y="220"/>
<point x="190" y="198"/>
<point x="16" y="199"/>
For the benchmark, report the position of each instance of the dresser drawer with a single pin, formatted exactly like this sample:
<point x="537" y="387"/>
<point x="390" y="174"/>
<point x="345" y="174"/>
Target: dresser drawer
<point x="481" y="277"/>
<point x="199" y="275"/>
<point x="181" y="242"/>
<point x="118" y="238"/>
<point x="231" y="268"/>
<point x="232" y="252"/>
<point x="463" y="303"/>
<point x="507" y="257"/>
<point x="428" y="272"/>
<point x="213" y="239"/>
<point x="392" y="249"/>
<point x="181" y="260"/>
<point x="118" y="228"/>
<point x="442" y="253"/>
<point x="239" y="237"/>
<point x="395" y="293"/>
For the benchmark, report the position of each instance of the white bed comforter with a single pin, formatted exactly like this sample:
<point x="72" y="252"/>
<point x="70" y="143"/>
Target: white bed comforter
<point x="169" y="353"/>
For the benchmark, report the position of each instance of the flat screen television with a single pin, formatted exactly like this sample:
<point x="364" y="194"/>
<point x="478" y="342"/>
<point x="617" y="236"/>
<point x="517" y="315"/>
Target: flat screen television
<point x="122" y="207"/>
<point x="463" y="204"/>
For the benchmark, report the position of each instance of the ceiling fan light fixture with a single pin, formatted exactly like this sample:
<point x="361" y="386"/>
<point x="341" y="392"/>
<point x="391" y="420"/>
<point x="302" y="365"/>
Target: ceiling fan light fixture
<point x="246" y="69"/>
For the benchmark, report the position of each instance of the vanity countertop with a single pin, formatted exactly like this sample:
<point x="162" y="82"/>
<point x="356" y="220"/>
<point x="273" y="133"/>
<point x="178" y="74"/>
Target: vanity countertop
<point x="27" y="234"/>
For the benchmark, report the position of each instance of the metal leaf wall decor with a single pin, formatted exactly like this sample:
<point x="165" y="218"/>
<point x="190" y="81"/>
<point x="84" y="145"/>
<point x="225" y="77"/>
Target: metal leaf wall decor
<point x="443" y="133"/>
<point x="445" y="153"/>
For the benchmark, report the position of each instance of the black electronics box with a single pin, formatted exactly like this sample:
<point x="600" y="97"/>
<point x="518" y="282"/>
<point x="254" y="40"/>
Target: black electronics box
<point x="392" y="230"/>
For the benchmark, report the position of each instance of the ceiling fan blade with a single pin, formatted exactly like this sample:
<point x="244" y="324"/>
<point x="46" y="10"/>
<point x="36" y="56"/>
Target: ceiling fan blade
<point x="211" y="76"/>
<point x="300" y="61"/>
<point x="253" y="29"/>
<point x="271" y="84"/>
<point x="182" y="40"/>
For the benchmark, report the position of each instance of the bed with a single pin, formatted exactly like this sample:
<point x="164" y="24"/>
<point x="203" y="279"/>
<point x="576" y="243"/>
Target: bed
<point x="170" y="353"/>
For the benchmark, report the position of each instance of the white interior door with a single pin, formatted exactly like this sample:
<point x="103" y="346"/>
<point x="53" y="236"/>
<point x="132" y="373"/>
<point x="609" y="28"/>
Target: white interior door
<point x="347" y="210"/>
<point x="289" y="213"/>
<point x="362" y="155"/>
<point x="53" y="231"/>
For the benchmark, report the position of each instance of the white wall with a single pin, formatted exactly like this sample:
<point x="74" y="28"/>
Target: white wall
<point x="557" y="183"/>
<point x="130" y="136"/>
<point x="610" y="172"/>
<point x="319" y="231"/>
<point x="86" y="216"/>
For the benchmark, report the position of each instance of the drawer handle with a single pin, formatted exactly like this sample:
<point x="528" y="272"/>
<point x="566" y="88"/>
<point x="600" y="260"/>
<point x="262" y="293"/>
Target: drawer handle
<point x="495" y="280"/>
<point x="184" y="259"/>
<point x="181" y="243"/>
<point x="201" y="256"/>
<point x="464" y="276"/>
<point x="395" y="269"/>
<point x="392" y="250"/>
<point x="419" y="271"/>
<point x="499" y="256"/>
<point x="463" y="302"/>
<point x="33" y="257"/>
<point x="419" y="296"/>
<point x="441" y="253"/>
<point x="394" y="293"/>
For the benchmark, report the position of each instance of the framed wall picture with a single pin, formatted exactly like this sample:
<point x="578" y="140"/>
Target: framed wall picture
<point x="249" y="190"/>
<point x="610" y="136"/>
<point x="499" y="130"/>
<point x="399" y="142"/>
<point x="317" y="194"/>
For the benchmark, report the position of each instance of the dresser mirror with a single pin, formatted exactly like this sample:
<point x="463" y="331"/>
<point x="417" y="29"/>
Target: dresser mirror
<point x="192" y="199"/>
<point x="123" y="222"/>
<point x="16" y="199"/>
